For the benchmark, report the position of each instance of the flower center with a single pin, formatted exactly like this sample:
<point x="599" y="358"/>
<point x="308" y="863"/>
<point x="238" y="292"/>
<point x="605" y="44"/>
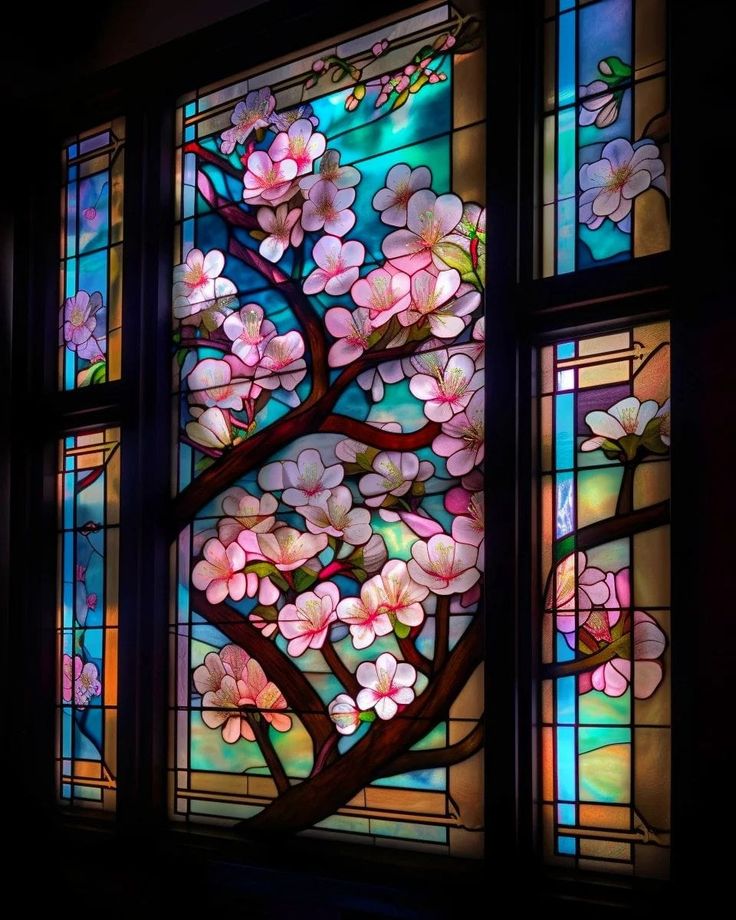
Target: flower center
<point x="431" y="232"/>
<point x="251" y="333"/>
<point x="381" y="294"/>
<point x="442" y="563"/>
<point x="77" y="317"/>
<point x="312" y="611"/>
<point x="425" y="295"/>
<point x="628" y="418"/>
<point x="334" y="266"/>
<point x="474" y="432"/>
<point x="619" y="177"/>
<point x="310" y="480"/>
<point x="451" y="387"/>
<point x="393" y="478"/>
<point x="402" y="193"/>
<point x="383" y="682"/>
<point x="196" y="276"/>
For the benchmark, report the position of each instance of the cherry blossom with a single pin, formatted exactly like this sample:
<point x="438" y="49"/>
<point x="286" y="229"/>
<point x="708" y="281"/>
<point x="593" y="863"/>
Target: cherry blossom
<point x="82" y="678"/>
<point x="251" y="113"/>
<point x="344" y="713"/>
<point x="444" y="565"/>
<point x="266" y="181"/>
<point x="300" y="143"/>
<point x="462" y="439"/>
<point x="401" y="183"/>
<point x="283" y="229"/>
<point x="387" y="684"/>
<point x="200" y="293"/>
<point x="211" y="429"/>
<point x="249" y="333"/>
<point x="306" y="482"/>
<point x="431" y="299"/>
<point x="329" y="207"/>
<point x="395" y="473"/>
<point x="469" y="525"/>
<point x="400" y="596"/>
<point x="237" y="684"/>
<point x="211" y="384"/>
<point x="626" y="418"/>
<point x="282" y="364"/>
<point x="288" y="549"/>
<point x="383" y="293"/>
<point x="663" y="414"/>
<point x="352" y="330"/>
<point x="337" y="266"/>
<point x="598" y="105"/>
<point x="305" y="622"/>
<point x="79" y="319"/>
<point x="282" y="121"/>
<point x="447" y="385"/>
<point x="365" y="615"/>
<point x="578" y="588"/>
<point x="429" y="220"/>
<point x="335" y="516"/>
<point x="261" y="585"/>
<point x="610" y="184"/>
<point x="220" y="573"/>
<point x="374" y="378"/>
<point x="331" y="171"/>
<point x="614" y="677"/>
<point x="245" y="512"/>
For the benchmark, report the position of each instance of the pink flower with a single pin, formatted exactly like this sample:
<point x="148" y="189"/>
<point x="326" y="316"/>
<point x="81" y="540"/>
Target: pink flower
<point x="462" y="439"/>
<point x="383" y="293"/>
<point x="200" y="294"/>
<point x="91" y="601"/>
<point x="379" y="47"/>
<point x="353" y="331"/>
<point x="245" y="512"/>
<point x="79" y="318"/>
<point x="431" y="299"/>
<point x="401" y="183"/>
<point x="614" y="677"/>
<point x="283" y="228"/>
<point x="598" y="105"/>
<point x="306" y="482"/>
<point x="429" y="219"/>
<point x="344" y="713"/>
<point x="82" y="678"/>
<point x="469" y="525"/>
<point x="444" y="565"/>
<point x="335" y="516"/>
<point x="288" y="549"/>
<point x="365" y="615"/>
<point x="265" y="181"/>
<point x="282" y="121"/>
<point x="388" y="684"/>
<point x="331" y="171"/>
<point x="447" y="384"/>
<point x="337" y="266"/>
<point x="374" y="378"/>
<point x="232" y="682"/>
<point x="399" y="595"/>
<point x="395" y="474"/>
<point x="579" y="587"/>
<point x="210" y="384"/>
<point x="249" y="333"/>
<point x="249" y="114"/>
<point x="610" y="184"/>
<point x="282" y="364"/>
<point x="329" y="207"/>
<point x="266" y="590"/>
<point x="220" y="573"/>
<point x="211" y="429"/>
<point x="627" y="417"/>
<point x="305" y="622"/>
<point x="299" y="143"/>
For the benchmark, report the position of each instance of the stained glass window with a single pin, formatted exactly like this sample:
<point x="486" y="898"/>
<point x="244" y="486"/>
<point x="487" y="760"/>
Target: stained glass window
<point x="91" y="279"/>
<point x="89" y="508"/>
<point x="605" y="442"/>
<point x="328" y="384"/>
<point x="605" y="186"/>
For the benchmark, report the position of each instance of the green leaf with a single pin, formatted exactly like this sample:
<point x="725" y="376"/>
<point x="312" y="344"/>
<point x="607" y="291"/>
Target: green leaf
<point x="181" y="355"/>
<point x="424" y="52"/>
<point x="368" y="716"/>
<point x="266" y="612"/>
<point x="304" y="579"/>
<point x="400" y="100"/>
<point x="261" y="569"/>
<point x="258" y="234"/>
<point x="564" y="547"/>
<point x="98" y="372"/>
<point x="401" y="629"/>
<point x="204" y="463"/>
<point x="365" y="458"/>
<point x="455" y="257"/>
<point x="619" y="70"/>
<point x="419" y="83"/>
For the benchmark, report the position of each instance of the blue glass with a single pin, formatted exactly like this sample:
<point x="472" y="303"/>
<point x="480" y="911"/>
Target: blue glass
<point x="566" y="756"/>
<point x="566" y="81"/>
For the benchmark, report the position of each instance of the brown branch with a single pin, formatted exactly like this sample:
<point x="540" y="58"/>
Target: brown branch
<point x="412" y="654"/>
<point x="625" y="501"/>
<point x="375" y="437"/>
<point x="441" y="631"/>
<point x="621" y="647"/>
<point x="340" y="670"/>
<point x="626" y="525"/>
<point x="299" y="693"/>
<point x="214" y="159"/>
<point x="260" y="730"/>
<point x="320" y="796"/>
<point x="437" y="757"/>
<point x="252" y="453"/>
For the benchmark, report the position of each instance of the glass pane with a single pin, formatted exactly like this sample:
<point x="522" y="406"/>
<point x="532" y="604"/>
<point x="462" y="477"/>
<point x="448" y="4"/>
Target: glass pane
<point x="606" y="138"/>
<point x="91" y="277"/>
<point x="328" y="399"/>
<point x="89" y="509"/>
<point x="606" y="621"/>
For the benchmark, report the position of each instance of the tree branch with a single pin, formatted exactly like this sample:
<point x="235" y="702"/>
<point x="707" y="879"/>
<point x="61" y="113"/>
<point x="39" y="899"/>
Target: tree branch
<point x="375" y="437"/>
<point x="437" y="757"/>
<point x="441" y="631"/>
<point x="412" y="654"/>
<point x="315" y="799"/>
<point x="214" y="159"/>
<point x="620" y="648"/>
<point x="299" y="693"/>
<point x="625" y="525"/>
<point x="340" y="670"/>
<point x="260" y="730"/>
